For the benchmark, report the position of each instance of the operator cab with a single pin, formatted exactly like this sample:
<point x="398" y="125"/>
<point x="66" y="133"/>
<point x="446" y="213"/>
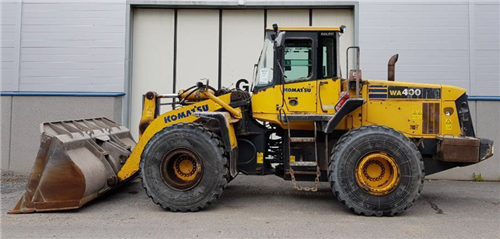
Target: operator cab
<point x="298" y="73"/>
<point x="293" y="54"/>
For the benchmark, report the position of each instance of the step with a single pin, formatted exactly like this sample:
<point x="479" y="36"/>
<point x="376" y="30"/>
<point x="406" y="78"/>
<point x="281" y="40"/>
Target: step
<point x="303" y="163"/>
<point x="302" y="140"/>
<point x="306" y="117"/>
<point x="295" y="172"/>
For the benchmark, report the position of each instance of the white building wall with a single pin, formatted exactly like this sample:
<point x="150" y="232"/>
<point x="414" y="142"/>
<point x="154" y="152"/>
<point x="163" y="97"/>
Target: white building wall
<point x="297" y="17"/>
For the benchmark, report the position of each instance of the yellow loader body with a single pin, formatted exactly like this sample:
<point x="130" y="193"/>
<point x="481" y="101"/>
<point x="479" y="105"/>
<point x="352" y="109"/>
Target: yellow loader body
<point x="385" y="104"/>
<point x="373" y="140"/>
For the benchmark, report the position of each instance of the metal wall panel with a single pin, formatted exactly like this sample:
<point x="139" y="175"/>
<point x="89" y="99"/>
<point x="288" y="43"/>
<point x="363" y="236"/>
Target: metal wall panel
<point x="153" y="57"/>
<point x="197" y="47"/>
<point x="432" y="41"/>
<point x="72" y="46"/>
<point x="242" y="38"/>
<point x="10" y="16"/>
<point x="337" y="17"/>
<point x="486" y="55"/>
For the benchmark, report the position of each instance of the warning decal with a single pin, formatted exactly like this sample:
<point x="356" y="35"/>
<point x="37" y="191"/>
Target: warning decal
<point x="448" y="124"/>
<point x="260" y="157"/>
<point x="417" y="115"/>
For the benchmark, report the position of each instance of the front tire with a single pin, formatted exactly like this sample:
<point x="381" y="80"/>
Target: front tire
<point x="184" y="167"/>
<point x="376" y="171"/>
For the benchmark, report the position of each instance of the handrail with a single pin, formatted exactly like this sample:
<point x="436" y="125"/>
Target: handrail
<point x="357" y="66"/>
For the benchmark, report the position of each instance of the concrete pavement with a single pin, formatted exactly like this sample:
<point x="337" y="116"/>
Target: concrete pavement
<point x="265" y="207"/>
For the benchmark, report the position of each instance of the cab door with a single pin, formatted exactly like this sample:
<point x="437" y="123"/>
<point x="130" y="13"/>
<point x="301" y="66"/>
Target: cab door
<point x="329" y="83"/>
<point x="299" y="87"/>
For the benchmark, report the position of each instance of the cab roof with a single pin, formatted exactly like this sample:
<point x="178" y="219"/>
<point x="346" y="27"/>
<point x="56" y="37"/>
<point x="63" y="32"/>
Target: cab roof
<point x="312" y="29"/>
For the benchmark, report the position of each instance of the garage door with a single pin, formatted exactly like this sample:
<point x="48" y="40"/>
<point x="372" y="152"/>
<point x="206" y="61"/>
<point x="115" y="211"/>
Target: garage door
<point x="242" y="34"/>
<point x="153" y="47"/>
<point x="197" y="47"/>
<point x="211" y="43"/>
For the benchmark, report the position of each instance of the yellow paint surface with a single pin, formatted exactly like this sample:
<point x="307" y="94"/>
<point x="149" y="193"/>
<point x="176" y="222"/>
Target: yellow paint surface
<point x="260" y="157"/>
<point x="131" y="166"/>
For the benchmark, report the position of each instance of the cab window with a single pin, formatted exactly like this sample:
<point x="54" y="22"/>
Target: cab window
<point x="298" y="60"/>
<point x="264" y="74"/>
<point x="327" y="58"/>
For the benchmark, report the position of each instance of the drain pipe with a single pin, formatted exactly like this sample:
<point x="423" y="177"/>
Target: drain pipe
<point x="391" y="65"/>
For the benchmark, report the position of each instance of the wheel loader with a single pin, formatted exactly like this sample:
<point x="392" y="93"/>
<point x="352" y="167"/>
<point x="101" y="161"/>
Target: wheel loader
<point x="372" y="140"/>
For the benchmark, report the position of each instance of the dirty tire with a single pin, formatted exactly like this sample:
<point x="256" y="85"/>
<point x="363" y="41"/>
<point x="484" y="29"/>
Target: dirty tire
<point x="210" y="150"/>
<point x="357" y="143"/>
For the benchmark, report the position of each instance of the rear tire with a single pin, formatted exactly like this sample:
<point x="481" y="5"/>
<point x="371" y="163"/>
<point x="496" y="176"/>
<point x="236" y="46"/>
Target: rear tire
<point x="397" y="171"/>
<point x="184" y="167"/>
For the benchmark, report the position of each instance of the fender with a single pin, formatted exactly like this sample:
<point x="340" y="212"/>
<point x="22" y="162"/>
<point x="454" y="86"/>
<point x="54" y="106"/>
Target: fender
<point x="180" y="115"/>
<point x="349" y="106"/>
<point x="227" y="134"/>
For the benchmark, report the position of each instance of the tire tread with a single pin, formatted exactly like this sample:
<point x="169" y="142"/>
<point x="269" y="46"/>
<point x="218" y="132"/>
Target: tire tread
<point x="222" y="182"/>
<point x="332" y="172"/>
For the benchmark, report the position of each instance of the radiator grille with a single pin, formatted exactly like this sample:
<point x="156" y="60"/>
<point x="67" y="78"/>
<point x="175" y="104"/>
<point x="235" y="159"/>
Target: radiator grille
<point x="430" y="118"/>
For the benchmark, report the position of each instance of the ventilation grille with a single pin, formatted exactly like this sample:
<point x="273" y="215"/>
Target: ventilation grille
<point x="430" y="118"/>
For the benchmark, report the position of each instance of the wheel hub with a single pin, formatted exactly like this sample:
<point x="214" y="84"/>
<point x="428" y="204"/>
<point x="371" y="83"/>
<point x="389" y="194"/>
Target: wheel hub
<point x="181" y="169"/>
<point x="185" y="167"/>
<point x="377" y="173"/>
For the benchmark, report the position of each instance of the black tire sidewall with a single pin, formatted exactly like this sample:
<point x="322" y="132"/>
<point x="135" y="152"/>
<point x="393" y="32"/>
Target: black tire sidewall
<point x="183" y="137"/>
<point x="371" y="140"/>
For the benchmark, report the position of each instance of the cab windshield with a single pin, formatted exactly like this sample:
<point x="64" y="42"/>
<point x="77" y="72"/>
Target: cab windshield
<point x="264" y="72"/>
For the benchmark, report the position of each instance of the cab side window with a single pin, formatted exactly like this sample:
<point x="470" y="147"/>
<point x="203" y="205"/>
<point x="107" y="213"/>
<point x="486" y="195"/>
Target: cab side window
<point x="298" y="60"/>
<point x="326" y="58"/>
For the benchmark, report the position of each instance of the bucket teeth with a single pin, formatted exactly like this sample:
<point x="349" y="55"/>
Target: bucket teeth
<point x="77" y="161"/>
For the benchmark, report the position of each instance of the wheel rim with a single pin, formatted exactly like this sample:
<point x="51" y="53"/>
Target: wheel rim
<point x="181" y="169"/>
<point x="377" y="173"/>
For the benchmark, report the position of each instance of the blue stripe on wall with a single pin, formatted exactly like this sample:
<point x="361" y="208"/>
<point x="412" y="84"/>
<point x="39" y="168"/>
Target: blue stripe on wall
<point x="49" y="93"/>
<point x="485" y="98"/>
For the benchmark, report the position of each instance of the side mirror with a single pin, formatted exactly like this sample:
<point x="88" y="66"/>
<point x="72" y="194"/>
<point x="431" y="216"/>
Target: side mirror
<point x="275" y="28"/>
<point x="275" y="32"/>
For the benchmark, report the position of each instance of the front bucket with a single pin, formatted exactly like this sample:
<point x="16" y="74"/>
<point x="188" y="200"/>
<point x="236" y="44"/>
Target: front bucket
<point x="77" y="161"/>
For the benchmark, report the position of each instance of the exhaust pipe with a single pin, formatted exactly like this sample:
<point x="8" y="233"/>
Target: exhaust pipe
<point x="391" y="65"/>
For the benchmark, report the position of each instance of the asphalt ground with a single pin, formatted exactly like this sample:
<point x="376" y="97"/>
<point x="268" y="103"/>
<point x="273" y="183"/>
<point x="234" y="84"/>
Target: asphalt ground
<point x="263" y="207"/>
